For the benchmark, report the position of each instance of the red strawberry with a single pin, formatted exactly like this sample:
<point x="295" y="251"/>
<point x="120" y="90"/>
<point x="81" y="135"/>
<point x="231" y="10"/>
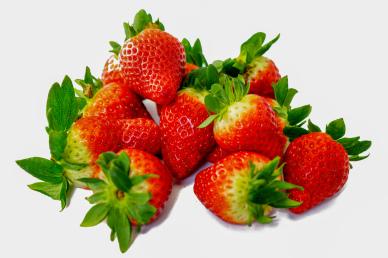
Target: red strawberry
<point x="251" y="122"/>
<point x="133" y="189"/>
<point x="112" y="72"/>
<point x="319" y="162"/>
<point x="217" y="154"/>
<point x="260" y="72"/>
<point x="139" y="133"/>
<point x="243" y="188"/>
<point x="184" y="145"/>
<point x="89" y="137"/>
<point x="115" y="101"/>
<point x="151" y="60"/>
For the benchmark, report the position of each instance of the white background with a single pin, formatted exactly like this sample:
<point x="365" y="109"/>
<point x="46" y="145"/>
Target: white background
<point x="335" y="53"/>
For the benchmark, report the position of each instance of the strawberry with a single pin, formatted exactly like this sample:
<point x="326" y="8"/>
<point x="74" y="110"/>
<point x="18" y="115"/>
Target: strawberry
<point x="152" y="61"/>
<point x="250" y="122"/>
<point x="133" y="189"/>
<point x="113" y="101"/>
<point x="217" y="154"/>
<point x="184" y="145"/>
<point x="88" y="138"/>
<point x="112" y="72"/>
<point x="259" y="71"/>
<point x="319" y="161"/>
<point x="139" y="133"/>
<point x="243" y="188"/>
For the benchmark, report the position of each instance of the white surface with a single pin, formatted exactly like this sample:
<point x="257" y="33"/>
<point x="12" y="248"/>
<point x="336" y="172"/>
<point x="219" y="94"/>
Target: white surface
<point x="335" y="53"/>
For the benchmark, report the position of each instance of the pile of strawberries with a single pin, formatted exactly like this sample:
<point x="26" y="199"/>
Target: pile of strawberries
<point x="234" y="113"/>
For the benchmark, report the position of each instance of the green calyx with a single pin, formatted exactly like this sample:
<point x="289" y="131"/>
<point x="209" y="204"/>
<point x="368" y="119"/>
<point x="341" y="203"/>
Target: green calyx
<point x="249" y="50"/>
<point x="90" y="85"/>
<point x="267" y="189"/>
<point x="115" y="48"/>
<point x="142" y="21"/>
<point x="62" y="109"/>
<point x="194" y="54"/>
<point x="223" y="94"/>
<point x="337" y="129"/>
<point x="202" y="78"/>
<point x="294" y="117"/>
<point x="115" y="199"/>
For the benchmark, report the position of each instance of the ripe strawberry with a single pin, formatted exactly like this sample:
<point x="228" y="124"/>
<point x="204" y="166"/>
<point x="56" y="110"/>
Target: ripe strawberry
<point x="251" y="122"/>
<point x="259" y="71"/>
<point x="184" y="145"/>
<point x="139" y="133"/>
<point x="115" y="101"/>
<point x="217" y="154"/>
<point x="112" y="72"/>
<point x="133" y="189"/>
<point x="319" y="161"/>
<point x="151" y="60"/>
<point x="243" y="188"/>
<point x="89" y="137"/>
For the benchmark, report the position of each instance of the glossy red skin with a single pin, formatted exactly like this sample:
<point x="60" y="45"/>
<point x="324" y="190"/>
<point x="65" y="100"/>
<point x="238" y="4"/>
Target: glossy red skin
<point x="97" y="134"/>
<point x="217" y="154"/>
<point x="317" y="163"/>
<point x="115" y="101"/>
<point x="112" y="72"/>
<point x="143" y="163"/>
<point x="259" y="130"/>
<point x="211" y="184"/>
<point x="184" y="145"/>
<point x="139" y="133"/>
<point x="261" y="82"/>
<point x="153" y="64"/>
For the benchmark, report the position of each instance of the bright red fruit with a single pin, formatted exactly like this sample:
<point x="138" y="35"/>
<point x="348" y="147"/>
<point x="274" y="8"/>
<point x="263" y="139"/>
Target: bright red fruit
<point x="139" y="133"/>
<point x="184" y="145"/>
<point x="152" y="61"/>
<point x="112" y="71"/>
<point x="115" y="101"/>
<point x="319" y="162"/>
<point x="262" y="74"/>
<point x="217" y="154"/>
<point x="242" y="188"/>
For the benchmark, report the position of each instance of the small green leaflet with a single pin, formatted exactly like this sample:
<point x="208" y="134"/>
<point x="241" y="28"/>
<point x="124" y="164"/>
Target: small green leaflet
<point x="95" y="215"/>
<point x="43" y="169"/>
<point x="336" y="129"/>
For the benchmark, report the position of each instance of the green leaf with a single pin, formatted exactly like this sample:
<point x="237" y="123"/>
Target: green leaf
<point x="289" y="97"/>
<point x="93" y="183"/>
<point x="63" y="193"/>
<point x="52" y="190"/>
<point x="294" y="132"/>
<point x="116" y="47"/>
<point x="267" y="46"/>
<point x="348" y="142"/>
<point x="286" y="203"/>
<point x="313" y="127"/>
<point x="57" y="143"/>
<point x="212" y="104"/>
<point x="264" y="220"/>
<point x="95" y="215"/>
<point x="142" y="19"/>
<point x="250" y="47"/>
<point x="43" y="169"/>
<point x="358" y="157"/>
<point x="297" y="115"/>
<point x="123" y="231"/>
<point x="141" y="213"/>
<point x="336" y="129"/>
<point x="135" y="180"/>
<point x="62" y="106"/>
<point x="285" y="185"/>
<point x="97" y="197"/>
<point x="359" y="147"/>
<point x="281" y="90"/>
<point x="208" y="121"/>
